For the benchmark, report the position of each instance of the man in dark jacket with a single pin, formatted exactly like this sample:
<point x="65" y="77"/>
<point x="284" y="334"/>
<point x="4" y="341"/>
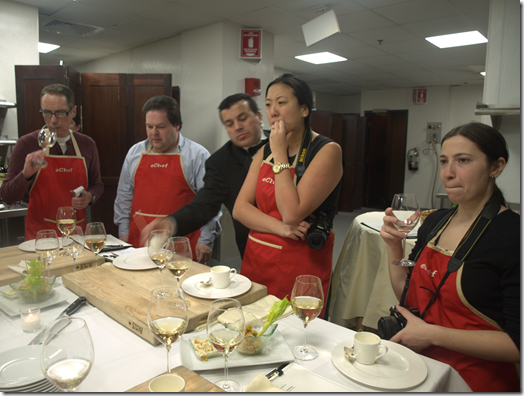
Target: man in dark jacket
<point x="226" y="170"/>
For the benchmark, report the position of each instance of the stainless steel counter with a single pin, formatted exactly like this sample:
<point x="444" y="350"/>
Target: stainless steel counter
<point x="16" y="210"/>
<point x="12" y="224"/>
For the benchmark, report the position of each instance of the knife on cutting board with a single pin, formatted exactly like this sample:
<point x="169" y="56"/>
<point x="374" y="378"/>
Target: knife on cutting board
<point x="75" y="306"/>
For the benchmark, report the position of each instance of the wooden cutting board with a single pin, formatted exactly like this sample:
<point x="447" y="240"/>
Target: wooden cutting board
<point x="194" y="382"/>
<point x="124" y="295"/>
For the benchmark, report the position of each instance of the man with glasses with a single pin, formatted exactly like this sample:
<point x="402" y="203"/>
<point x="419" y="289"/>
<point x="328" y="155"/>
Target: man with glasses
<point x="73" y="162"/>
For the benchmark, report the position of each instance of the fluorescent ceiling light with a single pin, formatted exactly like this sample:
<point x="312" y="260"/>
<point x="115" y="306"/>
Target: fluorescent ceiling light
<point x="458" y="39"/>
<point x="44" y="48"/>
<point x="483" y="73"/>
<point x="320" y="58"/>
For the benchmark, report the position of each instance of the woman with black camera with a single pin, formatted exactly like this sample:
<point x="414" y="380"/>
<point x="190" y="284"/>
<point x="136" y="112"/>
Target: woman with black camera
<point x="296" y="175"/>
<point x="471" y="308"/>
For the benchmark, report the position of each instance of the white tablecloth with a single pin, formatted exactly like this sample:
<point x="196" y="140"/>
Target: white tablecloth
<point x="124" y="360"/>
<point x="361" y="287"/>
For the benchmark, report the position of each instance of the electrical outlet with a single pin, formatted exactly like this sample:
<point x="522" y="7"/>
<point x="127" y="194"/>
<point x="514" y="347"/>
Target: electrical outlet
<point x="433" y="132"/>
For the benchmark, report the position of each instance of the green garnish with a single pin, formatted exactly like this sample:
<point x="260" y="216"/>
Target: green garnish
<point x="33" y="280"/>
<point x="276" y="311"/>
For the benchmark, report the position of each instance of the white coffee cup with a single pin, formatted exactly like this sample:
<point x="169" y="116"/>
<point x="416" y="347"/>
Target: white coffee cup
<point x="367" y="347"/>
<point x="222" y="274"/>
<point x="167" y="383"/>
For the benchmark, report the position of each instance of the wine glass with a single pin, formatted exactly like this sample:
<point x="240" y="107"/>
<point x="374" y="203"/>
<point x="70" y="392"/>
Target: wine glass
<point x="76" y="244"/>
<point x="66" y="222"/>
<point x="46" y="140"/>
<point x="407" y="210"/>
<point x="225" y="330"/>
<point x="46" y="247"/>
<point x="156" y="249"/>
<point x="307" y="301"/>
<point x="67" y="352"/>
<point x="167" y="316"/>
<point x="181" y="258"/>
<point x="95" y="237"/>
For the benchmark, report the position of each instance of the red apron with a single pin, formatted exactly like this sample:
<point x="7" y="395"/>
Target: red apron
<point x="160" y="189"/>
<point x="274" y="261"/>
<point x="52" y="189"/>
<point x="452" y="310"/>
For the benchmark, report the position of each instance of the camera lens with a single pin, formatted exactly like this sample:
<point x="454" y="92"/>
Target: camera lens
<point x="316" y="240"/>
<point x="388" y="326"/>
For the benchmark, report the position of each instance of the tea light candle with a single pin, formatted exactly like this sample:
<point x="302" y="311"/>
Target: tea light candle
<point x="30" y="319"/>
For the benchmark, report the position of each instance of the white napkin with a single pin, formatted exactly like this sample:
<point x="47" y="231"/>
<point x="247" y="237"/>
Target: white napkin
<point x="261" y="384"/>
<point x="21" y="268"/>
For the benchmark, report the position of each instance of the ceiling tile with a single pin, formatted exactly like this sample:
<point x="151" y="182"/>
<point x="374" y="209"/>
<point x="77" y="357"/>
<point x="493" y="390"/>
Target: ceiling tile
<point x="387" y="35"/>
<point x="362" y="21"/>
<point x="270" y="18"/>
<point x="92" y="16"/>
<point x="437" y="27"/>
<point x="225" y="9"/>
<point x="418" y="10"/>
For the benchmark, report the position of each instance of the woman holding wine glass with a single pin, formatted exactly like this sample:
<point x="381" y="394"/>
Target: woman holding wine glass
<point x="471" y="317"/>
<point x="293" y="181"/>
<point x="72" y="162"/>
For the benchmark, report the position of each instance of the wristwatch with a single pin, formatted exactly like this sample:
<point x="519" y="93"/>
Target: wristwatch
<point x="279" y="167"/>
<point x="93" y="199"/>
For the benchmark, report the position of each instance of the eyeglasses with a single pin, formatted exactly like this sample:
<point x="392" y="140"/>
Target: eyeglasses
<point x="57" y="114"/>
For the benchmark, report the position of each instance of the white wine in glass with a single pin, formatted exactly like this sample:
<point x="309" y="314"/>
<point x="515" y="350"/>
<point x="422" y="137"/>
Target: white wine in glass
<point x="46" y="247"/>
<point x="157" y="251"/>
<point x="181" y="258"/>
<point x="167" y="316"/>
<point x="307" y="301"/>
<point x="75" y="244"/>
<point x="95" y="238"/>
<point x="225" y="330"/>
<point x="65" y="222"/>
<point x="46" y="140"/>
<point x="407" y="210"/>
<point x="67" y="352"/>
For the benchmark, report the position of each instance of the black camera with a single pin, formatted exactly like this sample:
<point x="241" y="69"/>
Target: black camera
<point x="388" y="326"/>
<point x="319" y="231"/>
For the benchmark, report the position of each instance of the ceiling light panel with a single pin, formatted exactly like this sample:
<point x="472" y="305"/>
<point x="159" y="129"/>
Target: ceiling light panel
<point x="321" y="58"/>
<point x="457" y="39"/>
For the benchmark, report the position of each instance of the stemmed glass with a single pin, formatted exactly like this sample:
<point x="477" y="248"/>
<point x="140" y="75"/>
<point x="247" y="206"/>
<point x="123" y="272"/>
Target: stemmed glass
<point x="46" y="247"/>
<point x="76" y="245"/>
<point x="157" y="251"/>
<point x="167" y="316"/>
<point x="46" y="140"/>
<point x="307" y="301"/>
<point x="66" y="222"/>
<point x="407" y="210"/>
<point x="95" y="237"/>
<point x="67" y="355"/>
<point x="225" y="330"/>
<point x="181" y="258"/>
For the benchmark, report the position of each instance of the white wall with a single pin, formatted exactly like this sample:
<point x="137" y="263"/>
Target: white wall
<point x="452" y="106"/>
<point x="18" y="46"/>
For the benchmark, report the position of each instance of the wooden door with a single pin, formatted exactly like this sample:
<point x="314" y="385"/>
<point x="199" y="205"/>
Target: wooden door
<point x="30" y="80"/>
<point x="112" y="116"/>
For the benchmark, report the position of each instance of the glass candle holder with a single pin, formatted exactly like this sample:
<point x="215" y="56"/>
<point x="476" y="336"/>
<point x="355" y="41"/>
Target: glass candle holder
<point x="30" y="319"/>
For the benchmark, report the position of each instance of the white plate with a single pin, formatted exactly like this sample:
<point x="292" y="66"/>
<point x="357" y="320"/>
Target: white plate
<point x="237" y="286"/>
<point x="29" y="246"/>
<point x="277" y="351"/>
<point x="12" y="307"/>
<point x="20" y="366"/>
<point x="134" y="261"/>
<point x="399" y="368"/>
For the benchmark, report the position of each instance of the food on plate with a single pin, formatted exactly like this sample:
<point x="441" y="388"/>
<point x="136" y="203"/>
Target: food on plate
<point x="34" y="288"/>
<point x="275" y="312"/>
<point x="424" y="214"/>
<point x="203" y="348"/>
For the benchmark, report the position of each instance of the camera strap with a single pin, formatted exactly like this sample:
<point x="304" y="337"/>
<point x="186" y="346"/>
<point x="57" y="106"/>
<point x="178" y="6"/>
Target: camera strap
<point x="465" y="246"/>
<point x="300" y="168"/>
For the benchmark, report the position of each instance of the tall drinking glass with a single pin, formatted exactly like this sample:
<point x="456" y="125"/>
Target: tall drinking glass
<point x="67" y="352"/>
<point x="307" y="301"/>
<point x="407" y="210"/>
<point x="95" y="238"/>
<point x="167" y="316"/>
<point x="181" y="258"/>
<point x="225" y="330"/>
<point x="157" y="250"/>
<point x="65" y="222"/>
<point x="46" y="247"/>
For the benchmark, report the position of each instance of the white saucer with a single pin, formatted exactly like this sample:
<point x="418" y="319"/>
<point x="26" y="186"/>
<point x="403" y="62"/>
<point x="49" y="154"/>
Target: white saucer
<point x="20" y="366"/>
<point x="399" y="368"/>
<point x="237" y="286"/>
<point x="134" y="261"/>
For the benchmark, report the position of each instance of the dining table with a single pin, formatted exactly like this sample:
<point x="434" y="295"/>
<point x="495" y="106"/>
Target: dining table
<point x="123" y="360"/>
<point x="361" y="291"/>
